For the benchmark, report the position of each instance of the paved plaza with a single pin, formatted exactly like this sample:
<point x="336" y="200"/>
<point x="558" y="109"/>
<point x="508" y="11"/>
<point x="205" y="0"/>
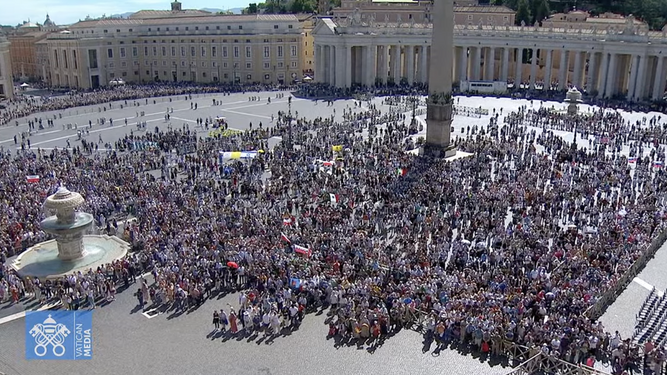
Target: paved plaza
<point x="127" y="341"/>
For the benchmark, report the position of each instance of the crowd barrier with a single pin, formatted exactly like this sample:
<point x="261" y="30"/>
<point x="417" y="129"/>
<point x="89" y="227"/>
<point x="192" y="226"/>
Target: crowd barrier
<point x="600" y="306"/>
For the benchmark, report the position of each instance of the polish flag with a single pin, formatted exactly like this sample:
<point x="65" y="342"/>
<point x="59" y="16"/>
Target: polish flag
<point x="287" y="221"/>
<point x="333" y="198"/>
<point x="302" y="250"/>
<point x="32" y="178"/>
<point x="284" y="238"/>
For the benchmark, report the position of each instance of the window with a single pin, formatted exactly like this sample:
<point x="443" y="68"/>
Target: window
<point x="123" y="64"/>
<point x="164" y="51"/>
<point x="248" y="65"/>
<point x="267" y="51"/>
<point x="248" y="52"/>
<point x="506" y="18"/>
<point x="135" y="52"/>
<point x="173" y="51"/>
<point x="76" y="64"/>
<point x="289" y="26"/>
<point x="203" y="64"/>
<point x="154" y="51"/>
<point x="192" y="51"/>
<point x="206" y="27"/>
<point x="275" y="26"/>
<point x="110" y="53"/>
<point x="145" y="51"/>
<point x="214" y="51"/>
<point x="65" y="59"/>
<point x="112" y="74"/>
<point x="469" y="17"/>
<point x="182" y="51"/>
<point x="111" y="64"/>
<point x="203" y="52"/>
<point x="293" y="51"/>
<point x="229" y="27"/>
<point x="183" y="64"/>
<point x="240" y="27"/>
<point x="236" y="52"/>
<point x="224" y="52"/>
<point x="281" y="65"/>
<point x="196" y="28"/>
<point x="136" y="72"/>
<point x="217" y="27"/>
<point x="214" y="64"/>
<point x="294" y="64"/>
<point x="122" y="52"/>
<point x="280" y="51"/>
<point x="267" y="65"/>
<point x="224" y="65"/>
<point x="164" y="63"/>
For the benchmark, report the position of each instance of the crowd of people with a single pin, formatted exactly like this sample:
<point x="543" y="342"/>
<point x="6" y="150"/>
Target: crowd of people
<point x="513" y="243"/>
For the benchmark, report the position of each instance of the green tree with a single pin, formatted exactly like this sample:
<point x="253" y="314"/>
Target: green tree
<point x="301" y="6"/>
<point x="541" y="10"/>
<point x="523" y="12"/>
<point x="251" y="9"/>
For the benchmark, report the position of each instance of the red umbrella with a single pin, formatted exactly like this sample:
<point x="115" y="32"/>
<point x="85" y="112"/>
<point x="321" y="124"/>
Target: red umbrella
<point x="232" y="265"/>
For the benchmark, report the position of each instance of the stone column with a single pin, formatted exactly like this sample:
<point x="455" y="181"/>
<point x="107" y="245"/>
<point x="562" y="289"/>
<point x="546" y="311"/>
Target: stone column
<point x="491" y="65"/>
<point x="610" y="88"/>
<point x="423" y="58"/>
<point x="602" y="83"/>
<point x="340" y="66"/>
<point x="463" y="69"/>
<point x="576" y="81"/>
<point x="477" y="64"/>
<point x="562" y="70"/>
<point x="382" y="63"/>
<point x="348" y="66"/>
<point x="396" y="67"/>
<point x="632" y="81"/>
<point x="590" y="75"/>
<point x="410" y="64"/>
<point x="369" y="68"/>
<point x="640" y="86"/>
<point x="505" y="64"/>
<point x="439" y="107"/>
<point x="533" y="68"/>
<point x="518" y="67"/>
<point x="319" y="64"/>
<point x="547" y="70"/>
<point x="331" y="77"/>
<point x="658" y="81"/>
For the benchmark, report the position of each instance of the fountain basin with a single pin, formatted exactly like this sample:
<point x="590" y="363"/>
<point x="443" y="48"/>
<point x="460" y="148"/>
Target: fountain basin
<point x="82" y="221"/>
<point x="43" y="261"/>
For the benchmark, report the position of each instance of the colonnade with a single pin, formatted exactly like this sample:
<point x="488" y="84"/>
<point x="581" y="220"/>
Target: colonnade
<point x="604" y="63"/>
<point x="635" y="75"/>
<point x="345" y="65"/>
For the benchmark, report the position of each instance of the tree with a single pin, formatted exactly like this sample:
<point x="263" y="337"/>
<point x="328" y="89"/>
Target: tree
<point x="251" y="9"/>
<point x="541" y="10"/>
<point x="523" y="12"/>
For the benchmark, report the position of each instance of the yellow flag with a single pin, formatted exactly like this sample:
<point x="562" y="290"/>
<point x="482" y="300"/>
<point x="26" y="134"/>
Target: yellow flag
<point x="337" y="148"/>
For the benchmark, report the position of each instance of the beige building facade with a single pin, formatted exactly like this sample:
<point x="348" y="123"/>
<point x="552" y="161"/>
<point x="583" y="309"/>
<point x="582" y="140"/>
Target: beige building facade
<point x="6" y="80"/>
<point x="177" y="45"/>
<point x="466" y="12"/>
<point x="607" y="63"/>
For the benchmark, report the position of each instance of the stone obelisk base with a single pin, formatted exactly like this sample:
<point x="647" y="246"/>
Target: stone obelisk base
<point x="438" y="131"/>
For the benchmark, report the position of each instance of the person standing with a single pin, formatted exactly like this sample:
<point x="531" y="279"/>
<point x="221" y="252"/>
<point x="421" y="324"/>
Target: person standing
<point x="216" y="319"/>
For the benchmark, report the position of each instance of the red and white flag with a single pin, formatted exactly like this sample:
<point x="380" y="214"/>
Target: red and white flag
<point x="302" y="250"/>
<point x="287" y="221"/>
<point x="284" y="238"/>
<point x="32" y="178"/>
<point x="333" y="198"/>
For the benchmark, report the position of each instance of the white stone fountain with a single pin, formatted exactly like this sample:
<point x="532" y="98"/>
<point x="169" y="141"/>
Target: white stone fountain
<point x="70" y="250"/>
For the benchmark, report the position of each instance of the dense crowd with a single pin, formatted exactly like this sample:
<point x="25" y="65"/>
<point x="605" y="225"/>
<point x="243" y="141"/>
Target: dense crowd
<point x="513" y="243"/>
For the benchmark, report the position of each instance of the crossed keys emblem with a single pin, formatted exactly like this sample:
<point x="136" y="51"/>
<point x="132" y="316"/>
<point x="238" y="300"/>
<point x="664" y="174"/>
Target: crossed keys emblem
<point x="49" y="333"/>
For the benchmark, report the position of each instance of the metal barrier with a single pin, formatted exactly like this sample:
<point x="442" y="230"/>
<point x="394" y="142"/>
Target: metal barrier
<point x="542" y="363"/>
